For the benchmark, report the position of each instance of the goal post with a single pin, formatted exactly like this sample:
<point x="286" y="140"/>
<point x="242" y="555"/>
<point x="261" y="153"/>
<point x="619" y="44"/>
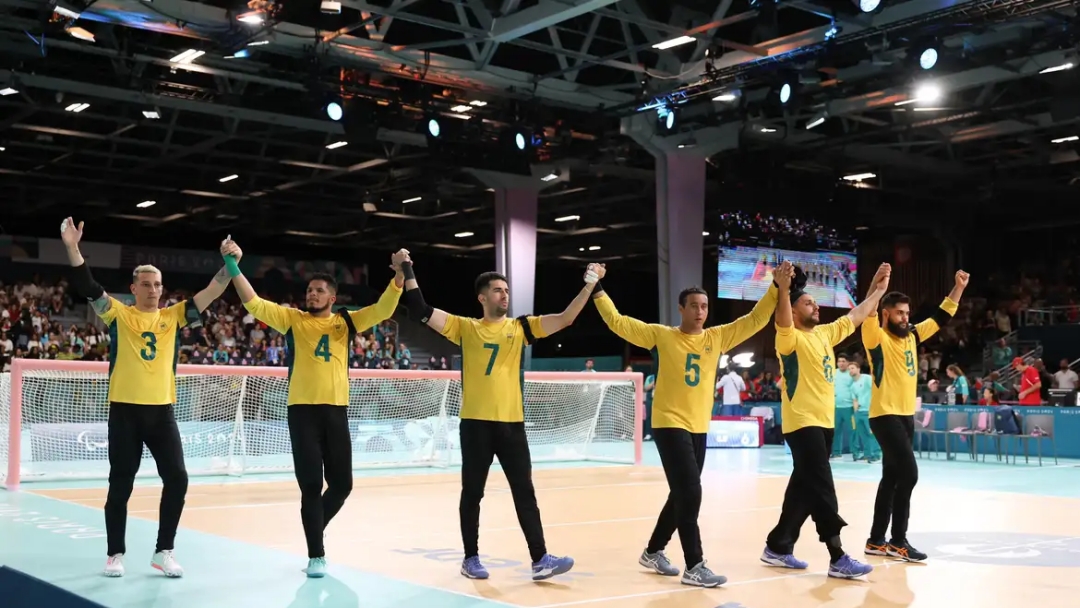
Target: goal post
<point x="232" y="419"/>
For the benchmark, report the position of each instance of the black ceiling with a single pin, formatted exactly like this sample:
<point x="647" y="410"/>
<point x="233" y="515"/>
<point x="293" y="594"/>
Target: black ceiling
<point x="568" y="72"/>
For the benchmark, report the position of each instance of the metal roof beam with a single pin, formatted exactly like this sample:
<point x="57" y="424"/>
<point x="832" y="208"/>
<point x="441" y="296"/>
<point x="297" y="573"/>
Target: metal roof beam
<point x="544" y="14"/>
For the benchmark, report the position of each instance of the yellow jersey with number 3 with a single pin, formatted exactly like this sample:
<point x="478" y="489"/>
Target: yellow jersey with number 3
<point x="317" y="348"/>
<point x="894" y="363"/>
<point x="143" y="351"/>
<point x="492" y="376"/>
<point x="686" y="373"/>
<point x="808" y="367"/>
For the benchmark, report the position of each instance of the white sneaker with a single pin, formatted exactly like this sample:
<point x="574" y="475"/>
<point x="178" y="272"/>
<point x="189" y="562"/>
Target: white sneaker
<point x="164" y="561"/>
<point x="114" y="567"/>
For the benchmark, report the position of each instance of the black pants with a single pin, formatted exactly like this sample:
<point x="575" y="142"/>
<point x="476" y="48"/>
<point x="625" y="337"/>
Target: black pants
<point x="481" y="440"/>
<point x="899" y="474"/>
<point x="320" y="441"/>
<point x="130" y="427"/>
<point x="810" y="491"/>
<point x="683" y="455"/>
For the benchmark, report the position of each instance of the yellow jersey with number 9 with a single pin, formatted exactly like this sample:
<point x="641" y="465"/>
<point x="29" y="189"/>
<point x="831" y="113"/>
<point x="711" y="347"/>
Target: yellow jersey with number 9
<point x="317" y="348"/>
<point x="492" y="376"/>
<point x="143" y="351"/>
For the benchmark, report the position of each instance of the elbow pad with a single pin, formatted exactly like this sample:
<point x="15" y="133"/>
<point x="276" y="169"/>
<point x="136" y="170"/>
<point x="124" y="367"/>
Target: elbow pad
<point x="84" y="284"/>
<point x="415" y="304"/>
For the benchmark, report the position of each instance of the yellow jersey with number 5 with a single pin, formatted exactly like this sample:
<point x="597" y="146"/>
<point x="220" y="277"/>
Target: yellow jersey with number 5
<point x="686" y="373"/>
<point x="492" y="375"/>
<point x="317" y="348"/>
<point x="143" y="351"/>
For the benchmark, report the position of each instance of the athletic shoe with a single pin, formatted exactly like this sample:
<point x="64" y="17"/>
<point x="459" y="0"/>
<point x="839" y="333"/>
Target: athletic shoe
<point x="550" y="566"/>
<point x="874" y="460"/>
<point x="846" y="567"/>
<point x="876" y="547"/>
<point x="316" y="567"/>
<point x="783" y="560"/>
<point x="658" y="562"/>
<point x="905" y="552"/>
<point x="164" y="561"/>
<point x="472" y="568"/>
<point x="114" y="566"/>
<point x="701" y="576"/>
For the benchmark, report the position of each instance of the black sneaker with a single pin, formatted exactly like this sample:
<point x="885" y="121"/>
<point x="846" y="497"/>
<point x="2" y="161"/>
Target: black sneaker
<point x="876" y="547"/>
<point x="905" y="552"/>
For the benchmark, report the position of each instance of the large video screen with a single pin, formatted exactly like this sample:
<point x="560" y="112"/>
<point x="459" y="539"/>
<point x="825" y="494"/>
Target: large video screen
<point x="744" y="273"/>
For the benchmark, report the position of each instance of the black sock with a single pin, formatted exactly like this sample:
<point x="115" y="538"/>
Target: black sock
<point x="835" y="550"/>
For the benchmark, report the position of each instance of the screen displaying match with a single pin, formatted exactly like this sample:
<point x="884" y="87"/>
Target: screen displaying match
<point x="744" y="273"/>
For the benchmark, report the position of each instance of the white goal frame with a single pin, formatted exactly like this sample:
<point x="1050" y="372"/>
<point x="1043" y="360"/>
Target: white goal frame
<point x="611" y="431"/>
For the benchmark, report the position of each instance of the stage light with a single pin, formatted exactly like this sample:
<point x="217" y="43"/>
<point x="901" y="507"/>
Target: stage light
<point x="868" y="6"/>
<point x="1057" y="68"/>
<point x="145" y="204"/>
<point x="433" y="127"/>
<point x="928" y="58"/>
<point x="336" y="145"/>
<point x="519" y="141"/>
<point x="462" y="235"/>
<point x="785" y="93"/>
<point x="228" y="178"/>
<point x="334" y="111"/>
<point x="568" y="218"/>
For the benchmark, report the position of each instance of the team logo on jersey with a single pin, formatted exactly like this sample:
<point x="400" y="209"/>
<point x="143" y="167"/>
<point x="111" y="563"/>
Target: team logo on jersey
<point x="163" y="325"/>
<point x="340" y="328"/>
<point x="708" y="350"/>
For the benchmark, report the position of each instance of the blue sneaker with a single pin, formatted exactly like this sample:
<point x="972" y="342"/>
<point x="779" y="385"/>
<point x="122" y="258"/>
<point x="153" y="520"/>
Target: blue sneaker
<point x="316" y="567"/>
<point x="472" y="568"/>
<point x="550" y="566"/>
<point x="783" y="561"/>
<point x="846" y="567"/>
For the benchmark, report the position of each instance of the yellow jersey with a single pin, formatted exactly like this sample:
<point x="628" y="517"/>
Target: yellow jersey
<point x="808" y="366"/>
<point x="686" y="373"/>
<point x="492" y="376"/>
<point x="143" y="351"/>
<point x="317" y="348"/>
<point x="894" y="363"/>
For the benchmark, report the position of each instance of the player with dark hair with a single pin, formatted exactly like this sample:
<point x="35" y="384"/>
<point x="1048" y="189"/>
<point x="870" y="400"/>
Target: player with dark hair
<point x="492" y="406"/>
<point x="894" y="365"/>
<point x="143" y="351"/>
<point x="318" y="342"/>
<point x="687" y="360"/>
<point x="807" y="363"/>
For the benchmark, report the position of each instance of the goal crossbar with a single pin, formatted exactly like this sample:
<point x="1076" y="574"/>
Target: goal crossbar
<point x="232" y="419"/>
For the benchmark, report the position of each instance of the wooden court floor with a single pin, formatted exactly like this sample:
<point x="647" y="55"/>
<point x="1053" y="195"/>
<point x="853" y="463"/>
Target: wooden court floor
<point x="987" y="548"/>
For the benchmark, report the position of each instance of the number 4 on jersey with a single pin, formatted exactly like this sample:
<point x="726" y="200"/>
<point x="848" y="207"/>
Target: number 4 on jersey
<point x="322" y="349"/>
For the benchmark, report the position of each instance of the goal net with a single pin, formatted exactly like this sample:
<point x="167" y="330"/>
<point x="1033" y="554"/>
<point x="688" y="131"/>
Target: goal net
<point x="232" y="420"/>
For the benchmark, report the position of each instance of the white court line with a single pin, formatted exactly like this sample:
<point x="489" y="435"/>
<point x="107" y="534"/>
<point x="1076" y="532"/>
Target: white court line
<point x="886" y="564"/>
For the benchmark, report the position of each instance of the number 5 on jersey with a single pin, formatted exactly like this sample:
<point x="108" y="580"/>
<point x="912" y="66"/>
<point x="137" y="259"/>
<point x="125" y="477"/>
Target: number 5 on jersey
<point x="693" y="371"/>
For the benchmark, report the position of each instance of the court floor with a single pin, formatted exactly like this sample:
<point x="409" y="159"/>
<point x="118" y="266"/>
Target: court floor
<point x="997" y="535"/>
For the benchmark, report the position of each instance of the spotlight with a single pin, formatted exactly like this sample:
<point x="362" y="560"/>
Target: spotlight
<point x="785" y="93"/>
<point x="433" y="127"/>
<point x="334" y="111"/>
<point x="519" y="141"/>
<point x="666" y="118"/>
<point x="868" y="6"/>
<point x="928" y="58"/>
<point x="330" y="7"/>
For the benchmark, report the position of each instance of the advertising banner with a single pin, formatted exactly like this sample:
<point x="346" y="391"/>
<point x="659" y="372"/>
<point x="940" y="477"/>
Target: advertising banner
<point x="735" y="432"/>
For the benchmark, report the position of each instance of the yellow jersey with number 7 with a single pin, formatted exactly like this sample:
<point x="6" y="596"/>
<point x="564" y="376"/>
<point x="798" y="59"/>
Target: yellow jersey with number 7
<point x="317" y="348"/>
<point x="492" y="375"/>
<point x="143" y="351"/>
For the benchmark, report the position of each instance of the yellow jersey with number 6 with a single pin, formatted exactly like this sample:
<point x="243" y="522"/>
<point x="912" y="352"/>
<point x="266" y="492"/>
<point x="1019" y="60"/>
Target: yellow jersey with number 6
<point x="143" y="351"/>
<point x="808" y="367"/>
<point x="492" y="376"/>
<point x="317" y="348"/>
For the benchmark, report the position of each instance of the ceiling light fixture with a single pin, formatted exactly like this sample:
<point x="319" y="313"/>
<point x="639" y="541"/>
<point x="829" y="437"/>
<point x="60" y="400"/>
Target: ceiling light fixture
<point x="667" y="44"/>
<point x="462" y="235"/>
<point x="7" y="91"/>
<point x="259" y="43"/>
<point x="858" y="177"/>
<point x="77" y="107"/>
<point x="478" y="103"/>
<point x="336" y="145"/>
<point x="187" y="56"/>
<point x="415" y="199"/>
<point x="594" y="248"/>
<point x="724" y="97"/>
<point x="254" y="18"/>
<point x="1057" y="68"/>
<point x="228" y="178"/>
<point x="79" y="33"/>
<point x="460" y="108"/>
<point x="1062" y="140"/>
<point x="145" y="204"/>
<point x="704" y="233"/>
<point x="151" y="114"/>
<point x="568" y="218"/>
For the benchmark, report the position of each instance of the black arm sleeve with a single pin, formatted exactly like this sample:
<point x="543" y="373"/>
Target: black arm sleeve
<point x="597" y="290"/>
<point x="84" y="284"/>
<point x="941" y="317"/>
<point x="413" y="299"/>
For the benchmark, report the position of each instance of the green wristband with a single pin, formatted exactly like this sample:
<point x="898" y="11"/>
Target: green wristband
<point x="231" y="266"/>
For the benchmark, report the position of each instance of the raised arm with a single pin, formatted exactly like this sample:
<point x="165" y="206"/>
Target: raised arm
<point x="370" y="316"/>
<point x="630" y="329"/>
<point x="274" y="315"/>
<point x="82" y="282"/>
<point x="554" y="323"/>
<point x="220" y="282"/>
<point x="414" y="302"/>
<point x="928" y="327"/>
<point x="878" y="285"/>
<point x="738" y="331"/>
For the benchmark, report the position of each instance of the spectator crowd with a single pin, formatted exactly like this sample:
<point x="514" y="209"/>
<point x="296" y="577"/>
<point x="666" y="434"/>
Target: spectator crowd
<point x="39" y="320"/>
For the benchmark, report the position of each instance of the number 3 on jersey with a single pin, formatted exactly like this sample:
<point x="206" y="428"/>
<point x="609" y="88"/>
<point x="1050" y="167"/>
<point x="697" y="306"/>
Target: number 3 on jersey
<point x="322" y="349"/>
<point x="149" y="351"/>
<point x="693" y="370"/>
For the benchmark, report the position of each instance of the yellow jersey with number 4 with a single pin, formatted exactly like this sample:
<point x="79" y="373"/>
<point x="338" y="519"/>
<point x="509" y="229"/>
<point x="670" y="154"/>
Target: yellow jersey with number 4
<point x="143" y="351"/>
<point x="492" y="376"/>
<point x="894" y="363"/>
<point x="686" y="372"/>
<point x="317" y="348"/>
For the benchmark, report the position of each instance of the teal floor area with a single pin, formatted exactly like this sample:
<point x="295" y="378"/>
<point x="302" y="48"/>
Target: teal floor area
<point x="64" y="543"/>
